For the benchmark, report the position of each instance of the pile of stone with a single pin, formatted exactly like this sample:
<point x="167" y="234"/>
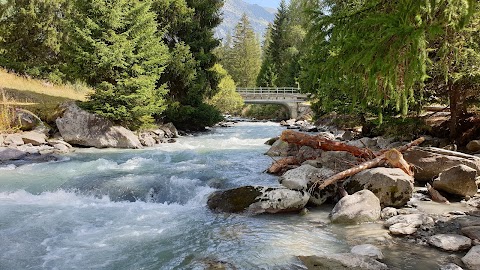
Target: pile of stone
<point x="76" y="127"/>
<point x="379" y="194"/>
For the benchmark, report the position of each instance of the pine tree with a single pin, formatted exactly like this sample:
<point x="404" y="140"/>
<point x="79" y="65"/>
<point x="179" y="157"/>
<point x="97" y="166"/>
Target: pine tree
<point x="245" y="55"/>
<point x="376" y="53"/>
<point x="227" y="100"/>
<point x="31" y="34"/>
<point x="115" y="47"/>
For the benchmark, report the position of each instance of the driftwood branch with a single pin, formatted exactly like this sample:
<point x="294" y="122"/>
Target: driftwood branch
<point x="319" y="142"/>
<point x="394" y="161"/>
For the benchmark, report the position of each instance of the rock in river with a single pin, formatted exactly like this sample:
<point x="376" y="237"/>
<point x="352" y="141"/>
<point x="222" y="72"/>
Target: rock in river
<point x="472" y="259"/>
<point x="459" y="180"/>
<point x="362" y="206"/>
<point x="257" y="200"/>
<point x="341" y="261"/>
<point x="391" y="185"/>
<point x="450" y="242"/>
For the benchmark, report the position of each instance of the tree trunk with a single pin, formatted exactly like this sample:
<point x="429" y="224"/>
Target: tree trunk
<point x="457" y="110"/>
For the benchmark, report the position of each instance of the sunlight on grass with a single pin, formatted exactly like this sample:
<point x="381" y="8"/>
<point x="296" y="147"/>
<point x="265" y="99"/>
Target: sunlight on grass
<point x="12" y="81"/>
<point x="6" y="113"/>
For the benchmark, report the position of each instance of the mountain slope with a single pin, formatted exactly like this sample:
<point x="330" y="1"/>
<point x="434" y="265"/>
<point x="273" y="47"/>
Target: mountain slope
<point x="232" y="11"/>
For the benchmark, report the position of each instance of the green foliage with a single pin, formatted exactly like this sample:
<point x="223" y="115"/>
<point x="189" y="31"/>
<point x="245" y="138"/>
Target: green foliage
<point x="227" y="100"/>
<point x="284" y="46"/>
<point x="266" y="112"/>
<point x="115" y="47"/>
<point x="31" y="34"/>
<point x="375" y="53"/>
<point x="243" y="59"/>
<point x="191" y="118"/>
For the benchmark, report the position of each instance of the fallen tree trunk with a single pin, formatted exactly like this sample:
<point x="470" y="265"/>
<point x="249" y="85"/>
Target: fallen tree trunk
<point x="397" y="162"/>
<point x="319" y="142"/>
<point x="283" y="163"/>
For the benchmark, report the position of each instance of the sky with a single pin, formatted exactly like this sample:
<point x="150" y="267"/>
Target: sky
<point x="265" y="3"/>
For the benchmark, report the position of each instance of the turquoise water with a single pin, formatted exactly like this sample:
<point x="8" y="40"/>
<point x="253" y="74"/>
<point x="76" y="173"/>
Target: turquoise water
<point x="145" y="209"/>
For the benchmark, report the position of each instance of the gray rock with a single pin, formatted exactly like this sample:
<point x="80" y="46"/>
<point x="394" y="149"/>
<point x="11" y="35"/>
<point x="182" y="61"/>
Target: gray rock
<point x="414" y="220"/>
<point x="83" y="128"/>
<point x="29" y="149"/>
<point x="348" y="135"/>
<point x="61" y="148"/>
<point x="170" y="130"/>
<point x="473" y="146"/>
<point x="299" y="178"/>
<point x="257" y="200"/>
<point x="282" y="149"/>
<point x="364" y="142"/>
<point x="337" y="160"/>
<point x="402" y="229"/>
<point x="343" y="261"/>
<point x="147" y="139"/>
<point x="429" y="162"/>
<point x="34" y="138"/>
<point x="360" y="207"/>
<point x="368" y="250"/>
<point x="459" y="180"/>
<point x="475" y="202"/>
<point x="272" y="141"/>
<point x="13" y="140"/>
<point x="308" y="153"/>
<point x="388" y="212"/>
<point x="472" y="259"/>
<point x="326" y="135"/>
<point x="53" y="142"/>
<point x="384" y="143"/>
<point x="26" y="120"/>
<point x="450" y="242"/>
<point x="391" y="185"/>
<point x="450" y="266"/>
<point x="472" y="232"/>
<point x="11" y="154"/>
<point x="1" y="140"/>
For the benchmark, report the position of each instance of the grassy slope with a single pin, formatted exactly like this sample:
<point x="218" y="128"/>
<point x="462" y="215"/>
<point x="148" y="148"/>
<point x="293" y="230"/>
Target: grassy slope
<point x="38" y="96"/>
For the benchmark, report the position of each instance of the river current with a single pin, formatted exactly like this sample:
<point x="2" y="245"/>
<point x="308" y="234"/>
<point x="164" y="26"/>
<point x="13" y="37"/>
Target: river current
<point x="146" y="209"/>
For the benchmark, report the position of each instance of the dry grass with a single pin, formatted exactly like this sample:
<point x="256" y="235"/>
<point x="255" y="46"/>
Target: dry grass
<point x="14" y="82"/>
<point x="7" y="113"/>
<point x="40" y="97"/>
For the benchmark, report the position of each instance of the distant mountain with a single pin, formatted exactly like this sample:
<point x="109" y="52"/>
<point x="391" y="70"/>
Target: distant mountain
<point x="233" y="10"/>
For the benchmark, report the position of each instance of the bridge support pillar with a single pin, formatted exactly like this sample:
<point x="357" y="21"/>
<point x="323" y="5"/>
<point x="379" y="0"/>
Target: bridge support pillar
<point x="293" y="110"/>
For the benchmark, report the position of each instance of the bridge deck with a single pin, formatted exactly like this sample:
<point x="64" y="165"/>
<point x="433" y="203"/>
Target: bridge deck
<point x="286" y="94"/>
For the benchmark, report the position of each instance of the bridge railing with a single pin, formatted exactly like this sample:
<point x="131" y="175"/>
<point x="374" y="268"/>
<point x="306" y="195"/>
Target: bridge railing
<point x="274" y="93"/>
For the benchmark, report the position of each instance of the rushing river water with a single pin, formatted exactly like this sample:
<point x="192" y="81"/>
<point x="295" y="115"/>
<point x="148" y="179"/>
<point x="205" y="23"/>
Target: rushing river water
<point x="145" y="209"/>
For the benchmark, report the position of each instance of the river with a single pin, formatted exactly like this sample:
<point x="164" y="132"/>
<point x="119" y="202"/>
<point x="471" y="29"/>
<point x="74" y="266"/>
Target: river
<point x="145" y="209"/>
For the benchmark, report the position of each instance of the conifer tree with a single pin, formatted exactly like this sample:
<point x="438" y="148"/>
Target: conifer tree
<point x="245" y="55"/>
<point x="115" y="47"/>
<point x="31" y="33"/>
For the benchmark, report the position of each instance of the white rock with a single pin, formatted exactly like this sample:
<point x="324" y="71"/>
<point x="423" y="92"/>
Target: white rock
<point x="13" y="140"/>
<point x="472" y="259"/>
<point x="414" y="220"/>
<point x="450" y="242"/>
<point x="362" y="206"/>
<point x="342" y="261"/>
<point x="11" y="154"/>
<point x="388" y="212"/>
<point x="459" y="180"/>
<point x="450" y="266"/>
<point x="61" y="148"/>
<point x="368" y="250"/>
<point x="402" y="229"/>
<point x="300" y="177"/>
<point x="34" y="138"/>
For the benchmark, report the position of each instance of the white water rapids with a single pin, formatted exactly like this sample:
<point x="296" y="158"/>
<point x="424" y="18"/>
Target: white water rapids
<point x="146" y="209"/>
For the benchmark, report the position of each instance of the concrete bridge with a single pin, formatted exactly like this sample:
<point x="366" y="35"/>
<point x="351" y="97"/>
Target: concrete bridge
<point x="289" y="97"/>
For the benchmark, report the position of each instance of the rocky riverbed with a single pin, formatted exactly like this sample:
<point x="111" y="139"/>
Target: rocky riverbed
<point x="390" y="197"/>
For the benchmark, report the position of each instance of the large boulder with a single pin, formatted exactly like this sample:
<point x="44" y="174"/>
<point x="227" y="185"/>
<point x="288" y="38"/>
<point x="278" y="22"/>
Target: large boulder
<point x="170" y="130"/>
<point x="391" y="185"/>
<point x="11" y="154"/>
<point x="282" y="149"/>
<point x="337" y="160"/>
<point x="472" y="232"/>
<point x="459" y="180"/>
<point x="257" y="200"/>
<point x="343" y="261"/>
<point x="79" y="127"/>
<point x="429" y="162"/>
<point x="26" y="120"/>
<point x="360" y="207"/>
<point x="472" y="259"/>
<point x="304" y="178"/>
<point x="450" y="242"/>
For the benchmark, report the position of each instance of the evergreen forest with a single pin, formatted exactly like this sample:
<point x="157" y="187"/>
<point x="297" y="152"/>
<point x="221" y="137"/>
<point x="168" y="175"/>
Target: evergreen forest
<point x="150" y="60"/>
